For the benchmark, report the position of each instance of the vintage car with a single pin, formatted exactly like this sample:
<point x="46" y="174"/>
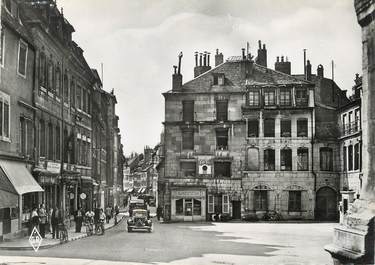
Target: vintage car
<point x="139" y="221"/>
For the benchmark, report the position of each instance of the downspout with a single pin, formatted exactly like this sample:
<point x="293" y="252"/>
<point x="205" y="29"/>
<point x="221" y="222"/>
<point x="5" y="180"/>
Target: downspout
<point x="312" y="157"/>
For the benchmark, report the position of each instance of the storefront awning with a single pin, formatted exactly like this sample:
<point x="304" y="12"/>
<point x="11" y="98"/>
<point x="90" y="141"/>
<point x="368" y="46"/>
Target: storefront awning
<point x="21" y="179"/>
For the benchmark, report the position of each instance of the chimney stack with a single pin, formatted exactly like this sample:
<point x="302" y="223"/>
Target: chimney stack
<point x="177" y="76"/>
<point x="219" y="58"/>
<point x="196" y="59"/>
<point x="243" y="54"/>
<point x="203" y="66"/>
<point x="262" y="55"/>
<point x="308" y="70"/>
<point x="320" y="71"/>
<point x="283" y="66"/>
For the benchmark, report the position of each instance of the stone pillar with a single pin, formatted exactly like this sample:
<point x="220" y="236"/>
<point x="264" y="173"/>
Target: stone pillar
<point x="353" y="241"/>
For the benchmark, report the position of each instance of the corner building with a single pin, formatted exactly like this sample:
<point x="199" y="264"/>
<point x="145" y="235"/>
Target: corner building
<point x="239" y="141"/>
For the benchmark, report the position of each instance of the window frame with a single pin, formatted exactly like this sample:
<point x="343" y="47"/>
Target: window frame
<point x="192" y="169"/>
<point x="301" y="152"/>
<point x="254" y="133"/>
<point x="294" y="201"/>
<point x="188" y="115"/>
<point x="266" y="160"/>
<point x="185" y="136"/>
<point x="228" y="169"/>
<point x="260" y="200"/>
<point x="286" y="159"/>
<point x="324" y="151"/>
<point x="253" y="98"/>
<point x="265" y="132"/>
<point x="5" y="127"/>
<point x="267" y="99"/>
<point x="285" y="101"/>
<point x="2" y="43"/>
<point x="285" y="124"/>
<point x="225" y="203"/>
<point x="210" y="203"/>
<point x="222" y="134"/>
<point x="26" y="46"/>
<point x="222" y="116"/>
<point x="300" y="129"/>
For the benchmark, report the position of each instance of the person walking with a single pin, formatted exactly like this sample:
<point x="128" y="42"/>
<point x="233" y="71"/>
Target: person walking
<point x="102" y="217"/>
<point x="159" y="212"/>
<point x="108" y="212"/>
<point x="79" y="219"/>
<point x="34" y="218"/>
<point x="42" y="220"/>
<point x="56" y="218"/>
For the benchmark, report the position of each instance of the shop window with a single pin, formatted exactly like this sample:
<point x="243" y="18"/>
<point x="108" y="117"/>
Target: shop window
<point x="197" y="207"/>
<point x="326" y="159"/>
<point x="286" y="159"/>
<point x="188" y="139"/>
<point x="302" y="128"/>
<point x="269" y="98"/>
<point x="302" y="159"/>
<point x="180" y="206"/>
<point x="269" y="160"/>
<point x="252" y="159"/>
<point x="211" y="204"/>
<point x="42" y="138"/>
<point x="356" y="156"/>
<point x="50" y="141"/>
<point x="222" y="169"/>
<point x="294" y="202"/>
<point x="222" y="139"/>
<point x="286" y="128"/>
<point x="253" y="128"/>
<point x="285" y="98"/>
<point x="222" y="110"/>
<point x="188" y="169"/>
<point x="344" y="157"/>
<point x="269" y="127"/>
<point x="301" y="97"/>
<point x="188" y="207"/>
<point x="225" y="203"/>
<point x="22" y="58"/>
<point x="350" y="157"/>
<point x="253" y="98"/>
<point x="260" y="200"/>
<point x="42" y="70"/>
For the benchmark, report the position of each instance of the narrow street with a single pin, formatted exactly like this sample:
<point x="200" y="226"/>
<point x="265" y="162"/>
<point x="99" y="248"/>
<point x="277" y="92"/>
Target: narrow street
<point x="197" y="243"/>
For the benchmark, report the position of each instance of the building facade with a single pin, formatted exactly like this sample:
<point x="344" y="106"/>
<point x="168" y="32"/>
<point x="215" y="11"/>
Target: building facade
<point x="240" y="140"/>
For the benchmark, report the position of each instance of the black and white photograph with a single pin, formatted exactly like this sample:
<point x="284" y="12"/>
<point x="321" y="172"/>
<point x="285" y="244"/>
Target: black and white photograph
<point x="187" y="132"/>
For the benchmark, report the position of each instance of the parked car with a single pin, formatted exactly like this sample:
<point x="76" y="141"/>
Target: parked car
<point x="139" y="220"/>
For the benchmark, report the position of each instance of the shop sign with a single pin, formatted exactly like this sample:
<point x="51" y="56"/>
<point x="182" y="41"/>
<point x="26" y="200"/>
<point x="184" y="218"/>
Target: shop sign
<point x="35" y="239"/>
<point x="47" y="179"/>
<point x="53" y="167"/>
<point x="188" y="193"/>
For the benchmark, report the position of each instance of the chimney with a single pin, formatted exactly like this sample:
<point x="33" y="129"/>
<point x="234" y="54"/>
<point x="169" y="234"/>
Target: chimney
<point x="177" y="76"/>
<point x="320" y="71"/>
<point x="196" y="59"/>
<point x="308" y="70"/>
<point x="283" y="66"/>
<point x="243" y="54"/>
<point x="219" y="58"/>
<point x="262" y="55"/>
<point x="202" y="67"/>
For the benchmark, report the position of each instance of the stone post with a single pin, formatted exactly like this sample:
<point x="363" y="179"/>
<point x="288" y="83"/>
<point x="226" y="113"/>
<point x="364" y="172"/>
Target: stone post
<point x="353" y="241"/>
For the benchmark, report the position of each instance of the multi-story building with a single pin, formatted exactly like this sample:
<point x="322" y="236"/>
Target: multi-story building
<point x="18" y="189"/>
<point x="230" y="136"/>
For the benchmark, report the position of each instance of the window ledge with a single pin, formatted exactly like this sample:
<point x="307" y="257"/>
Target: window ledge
<point x="5" y="139"/>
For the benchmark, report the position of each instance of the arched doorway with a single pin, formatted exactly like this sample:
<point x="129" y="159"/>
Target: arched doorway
<point x="326" y="204"/>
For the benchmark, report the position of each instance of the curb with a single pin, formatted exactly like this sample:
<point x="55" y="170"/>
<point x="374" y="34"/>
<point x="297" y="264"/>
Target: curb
<point x="15" y="248"/>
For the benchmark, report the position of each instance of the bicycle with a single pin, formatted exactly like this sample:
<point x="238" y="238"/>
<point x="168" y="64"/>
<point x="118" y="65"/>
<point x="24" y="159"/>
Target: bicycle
<point x="100" y="228"/>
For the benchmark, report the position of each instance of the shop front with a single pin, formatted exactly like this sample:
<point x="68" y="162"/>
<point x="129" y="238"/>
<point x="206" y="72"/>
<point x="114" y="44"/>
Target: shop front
<point x="188" y="204"/>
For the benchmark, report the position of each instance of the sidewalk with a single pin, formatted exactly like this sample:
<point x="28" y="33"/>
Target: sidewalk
<point x="48" y="242"/>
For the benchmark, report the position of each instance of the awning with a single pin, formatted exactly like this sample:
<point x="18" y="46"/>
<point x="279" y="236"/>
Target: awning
<point x="21" y="179"/>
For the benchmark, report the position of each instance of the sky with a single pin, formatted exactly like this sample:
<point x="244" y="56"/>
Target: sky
<point x="138" y="42"/>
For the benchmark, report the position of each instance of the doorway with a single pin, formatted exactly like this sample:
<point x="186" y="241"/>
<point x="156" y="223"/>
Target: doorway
<point x="326" y="204"/>
<point x="236" y="206"/>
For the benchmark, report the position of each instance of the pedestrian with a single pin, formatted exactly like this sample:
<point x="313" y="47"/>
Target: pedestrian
<point x="108" y="212"/>
<point x="50" y="211"/>
<point x="42" y="220"/>
<point x="79" y="219"/>
<point x="102" y="217"/>
<point x="159" y="212"/>
<point x="34" y="218"/>
<point x="56" y="218"/>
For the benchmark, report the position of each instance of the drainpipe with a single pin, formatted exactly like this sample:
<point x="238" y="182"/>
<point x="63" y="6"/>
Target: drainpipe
<point x="312" y="158"/>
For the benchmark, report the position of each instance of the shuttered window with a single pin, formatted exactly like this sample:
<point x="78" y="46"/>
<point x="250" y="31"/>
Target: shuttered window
<point x="261" y="202"/>
<point x="294" y="202"/>
<point x="222" y="110"/>
<point x="188" y="111"/>
<point x="22" y="58"/>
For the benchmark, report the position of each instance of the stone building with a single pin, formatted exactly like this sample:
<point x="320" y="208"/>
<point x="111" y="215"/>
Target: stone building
<point x="230" y="136"/>
<point x="18" y="189"/>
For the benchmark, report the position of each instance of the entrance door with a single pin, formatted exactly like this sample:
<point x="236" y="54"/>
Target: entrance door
<point x="6" y="221"/>
<point x="236" y="207"/>
<point x="188" y="210"/>
<point x="326" y="204"/>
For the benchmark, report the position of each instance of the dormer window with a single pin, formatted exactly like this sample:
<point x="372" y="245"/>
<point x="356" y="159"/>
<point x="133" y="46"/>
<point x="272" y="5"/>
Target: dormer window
<point x="253" y="98"/>
<point x="219" y="79"/>
<point x="269" y="97"/>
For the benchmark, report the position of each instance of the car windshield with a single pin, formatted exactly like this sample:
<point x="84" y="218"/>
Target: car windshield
<point x="140" y="213"/>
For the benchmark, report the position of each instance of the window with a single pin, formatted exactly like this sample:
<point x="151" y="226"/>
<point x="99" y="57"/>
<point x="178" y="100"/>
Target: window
<point x="225" y="203"/>
<point x="2" y="48"/>
<point x="344" y="157"/>
<point x="42" y="70"/>
<point x="58" y="143"/>
<point x="22" y="58"/>
<point x="180" y="206"/>
<point x="58" y="82"/>
<point x="286" y="159"/>
<point x="50" y="141"/>
<point x="4" y="116"/>
<point x="350" y="157"/>
<point x="294" y="202"/>
<point x="253" y="128"/>
<point x="219" y="79"/>
<point x="50" y="76"/>
<point x="356" y="156"/>
<point x="269" y="160"/>
<point x="222" y="139"/>
<point x="254" y="98"/>
<point x="269" y="98"/>
<point x="222" y="169"/>
<point x="302" y="128"/>
<point x="211" y="204"/>
<point x="8" y="5"/>
<point x="89" y="102"/>
<point x="260" y="199"/>
<point x="84" y="98"/>
<point x="66" y="88"/>
<point x="302" y="159"/>
<point x="30" y="138"/>
<point x="188" y="207"/>
<point x="269" y="127"/>
<point x="188" y="111"/>
<point x="23" y="135"/>
<point x="197" y="210"/>
<point x="79" y="97"/>
<point x="344" y="125"/>
<point x="252" y="159"/>
<point x="286" y="128"/>
<point x="301" y="97"/>
<point x="188" y="139"/>
<point x="42" y="138"/>
<point x="65" y="147"/>
<point x="26" y="136"/>
<point x="222" y="110"/>
<point x="285" y="97"/>
<point x="72" y="93"/>
<point x="188" y="169"/>
<point x="326" y="159"/>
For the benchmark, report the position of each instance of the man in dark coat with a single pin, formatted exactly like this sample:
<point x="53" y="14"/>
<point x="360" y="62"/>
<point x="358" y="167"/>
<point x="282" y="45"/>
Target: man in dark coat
<point x="79" y="219"/>
<point x="56" y="218"/>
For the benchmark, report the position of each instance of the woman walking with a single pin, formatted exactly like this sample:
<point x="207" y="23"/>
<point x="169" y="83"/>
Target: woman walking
<point x="79" y="218"/>
<point x="43" y="220"/>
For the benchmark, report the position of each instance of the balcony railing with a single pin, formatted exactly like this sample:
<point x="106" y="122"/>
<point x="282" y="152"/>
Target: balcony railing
<point x="350" y="128"/>
<point x="301" y="102"/>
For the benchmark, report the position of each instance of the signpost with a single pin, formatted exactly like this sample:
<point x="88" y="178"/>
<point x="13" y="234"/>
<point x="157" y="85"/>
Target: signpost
<point x="35" y="239"/>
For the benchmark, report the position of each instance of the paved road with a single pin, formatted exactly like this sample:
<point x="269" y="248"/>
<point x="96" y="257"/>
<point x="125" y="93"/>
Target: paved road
<point x="219" y="243"/>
